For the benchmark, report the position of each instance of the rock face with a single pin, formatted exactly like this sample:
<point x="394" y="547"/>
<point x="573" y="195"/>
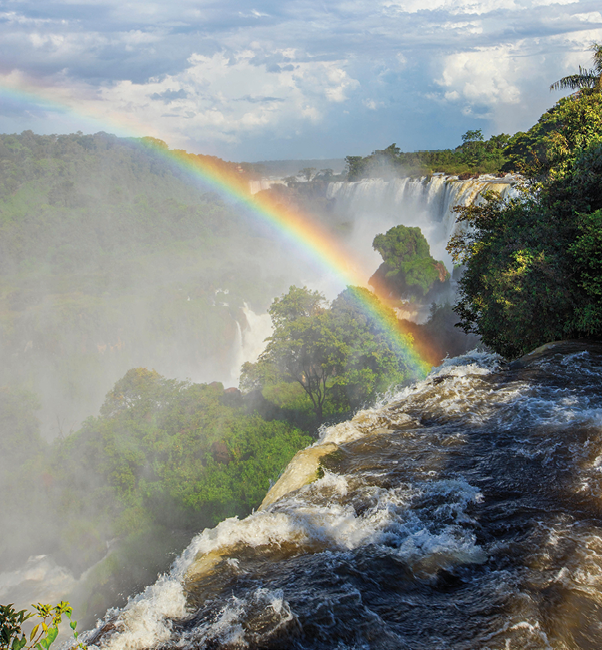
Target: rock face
<point x="464" y="513"/>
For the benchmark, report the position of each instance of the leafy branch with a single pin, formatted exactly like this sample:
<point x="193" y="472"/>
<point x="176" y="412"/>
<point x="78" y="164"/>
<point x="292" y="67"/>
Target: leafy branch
<point x="43" y="634"/>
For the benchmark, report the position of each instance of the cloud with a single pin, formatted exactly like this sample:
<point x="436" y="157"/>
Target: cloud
<point x="258" y="100"/>
<point x="168" y="96"/>
<point x="484" y="76"/>
<point x="233" y="78"/>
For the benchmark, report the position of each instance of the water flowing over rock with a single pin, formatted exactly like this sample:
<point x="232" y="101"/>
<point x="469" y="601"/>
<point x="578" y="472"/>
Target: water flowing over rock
<point x="375" y="205"/>
<point x="263" y="184"/>
<point x="464" y="512"/>
<point x="249" y="341"/>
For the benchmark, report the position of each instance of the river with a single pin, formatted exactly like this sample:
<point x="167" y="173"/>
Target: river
<point x="464" y="513"/>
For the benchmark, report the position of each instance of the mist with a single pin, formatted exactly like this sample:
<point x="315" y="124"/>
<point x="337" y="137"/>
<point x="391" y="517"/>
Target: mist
<point x="111" y="258"/>
<point x="127" y="287"/>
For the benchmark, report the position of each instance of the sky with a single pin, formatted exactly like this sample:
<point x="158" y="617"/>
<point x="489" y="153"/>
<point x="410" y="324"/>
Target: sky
<point x="256" y="80"/>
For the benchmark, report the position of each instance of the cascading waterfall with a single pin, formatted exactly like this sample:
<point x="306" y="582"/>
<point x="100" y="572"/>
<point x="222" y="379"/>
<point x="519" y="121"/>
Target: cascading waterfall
<point x="263" y="184"/>
<point x="462" y="513"/>
<point x="376" y="205"/>
<point x="259" y="328"/>
<point x="249" y="341"/>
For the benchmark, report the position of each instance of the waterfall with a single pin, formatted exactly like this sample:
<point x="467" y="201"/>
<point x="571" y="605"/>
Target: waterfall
<point x="259" y="327"/>
<point x="263" y="184"/>
<point x="238" y="357"/>
<point x="249" y="341"/>
<point x="462" y="513"/>
<point x="373" y="206"/>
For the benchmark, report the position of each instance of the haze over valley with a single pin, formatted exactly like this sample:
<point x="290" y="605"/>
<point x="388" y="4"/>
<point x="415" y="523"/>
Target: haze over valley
<point x="300" y="325"/>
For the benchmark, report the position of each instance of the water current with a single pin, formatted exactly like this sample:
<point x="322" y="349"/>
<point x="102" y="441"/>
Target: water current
<point x="464" y="512"/>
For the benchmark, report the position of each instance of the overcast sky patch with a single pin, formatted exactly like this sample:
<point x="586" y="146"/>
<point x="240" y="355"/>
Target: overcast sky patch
<point x="300" y="79"/>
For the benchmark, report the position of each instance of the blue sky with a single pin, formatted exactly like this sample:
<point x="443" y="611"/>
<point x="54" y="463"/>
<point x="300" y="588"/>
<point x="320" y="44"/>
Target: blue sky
<point x="280" y="79"/>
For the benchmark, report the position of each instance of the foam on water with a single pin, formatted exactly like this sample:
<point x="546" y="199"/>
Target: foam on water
<point x="463" y="512"/>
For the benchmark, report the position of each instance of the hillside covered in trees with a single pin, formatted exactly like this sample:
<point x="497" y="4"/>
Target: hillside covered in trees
<point x="93" y="226"/>
<point x="112" y="256"/>
<point x="533" y="263"/>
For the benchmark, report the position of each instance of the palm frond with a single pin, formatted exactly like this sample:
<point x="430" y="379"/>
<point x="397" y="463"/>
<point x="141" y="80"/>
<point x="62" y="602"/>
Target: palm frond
<point x="575" y="81"/>
<point x="586" y="78"/>
<point x="596" y="48"/>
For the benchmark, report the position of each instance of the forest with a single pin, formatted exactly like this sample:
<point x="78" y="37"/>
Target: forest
<point x="164" y="457"/>
<point x="115" y="264"/>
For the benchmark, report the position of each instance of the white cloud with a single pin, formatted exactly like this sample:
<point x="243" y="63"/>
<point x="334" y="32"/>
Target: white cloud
<point x="547" y="3"/>
<point x="229" y="73"/>
<point x="590" y="17"/>
<point x="477" y="7"/>
<point x="484" y="76"/>
<point x="224" y="98"/>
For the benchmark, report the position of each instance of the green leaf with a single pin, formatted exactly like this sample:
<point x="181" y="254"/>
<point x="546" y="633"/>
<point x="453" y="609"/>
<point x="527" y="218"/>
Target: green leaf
<point x="34" y="632"/>
<point x="73" y="625"/>
<point x="52" y="634"/>
<point x="18" y="643"/>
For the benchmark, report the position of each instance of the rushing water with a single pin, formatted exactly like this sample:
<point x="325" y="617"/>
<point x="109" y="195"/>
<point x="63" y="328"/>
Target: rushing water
<point x="375" y="205"/>
<point x="464" y="513"/>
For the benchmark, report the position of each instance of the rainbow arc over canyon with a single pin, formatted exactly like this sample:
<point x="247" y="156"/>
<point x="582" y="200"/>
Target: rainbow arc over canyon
<point x="305" y="233"/>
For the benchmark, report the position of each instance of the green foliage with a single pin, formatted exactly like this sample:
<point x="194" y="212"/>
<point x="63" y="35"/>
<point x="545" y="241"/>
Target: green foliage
<point x="174" y="452"/>
<point x="307" y="173"/>
<point x="163" y="460"/>
<point x="587" y="253"/>
<point x="533" y="263"/>
<point x="550" y="147"/>
<point x="43" y="634"/>
<point x="585" y="79"/>
<point x="297" y="303"/>
<point x="473" y="156"/>
<point x="408" y="267"/>
<point x="111" y="258"/>
<point x="340" y="356"/>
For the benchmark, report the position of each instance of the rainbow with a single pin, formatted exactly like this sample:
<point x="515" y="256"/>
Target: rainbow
<point x="305" y="233"/>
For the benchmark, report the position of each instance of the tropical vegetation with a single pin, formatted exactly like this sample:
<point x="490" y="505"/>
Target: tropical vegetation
<point x="163" y="459"/>
<point x="111" y="257"/>
<point x="408" y="269"/>
<point x="584" y="78"/>
<point x="339" y="355"/>
<point x="534" y="262"/>
<point x="43" y="634"/>
<point x="474" y="156"/>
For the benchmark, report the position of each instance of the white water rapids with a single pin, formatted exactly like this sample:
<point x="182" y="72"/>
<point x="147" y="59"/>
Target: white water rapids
<point x="462" y="513"/>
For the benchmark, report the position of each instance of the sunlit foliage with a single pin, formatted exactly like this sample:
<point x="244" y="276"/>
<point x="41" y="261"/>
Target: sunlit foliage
<point x="533" y="263"/>
<point x="473" y="156"/>
<point x="408" y="268"/>
<point x="339" y="355"/>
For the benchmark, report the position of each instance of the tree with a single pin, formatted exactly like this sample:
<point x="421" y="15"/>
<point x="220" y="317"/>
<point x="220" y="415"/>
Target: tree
<point x="340" y="357"/>
<point x="551" y="146"/>
<point x="324" y="175"/>
<point x="534" y="263"/>
<point x="472" y="136"/>
<point x="307" y="173"/>
<point x="355" y="167"/>
<point x="591" y="79"/>
<point x="408" y="267"/>
<point x="303" y="348"/>
<point x="378" y="352"/>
